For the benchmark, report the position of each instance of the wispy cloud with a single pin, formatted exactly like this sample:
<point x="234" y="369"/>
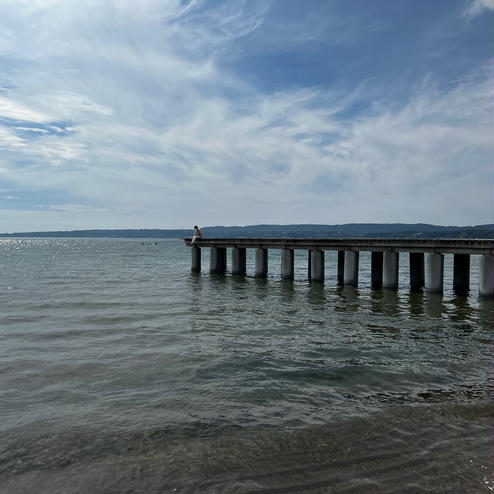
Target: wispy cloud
<point x="476" y="7"/>
<point x="18" y="111"/>
<point x="143" y="121"/>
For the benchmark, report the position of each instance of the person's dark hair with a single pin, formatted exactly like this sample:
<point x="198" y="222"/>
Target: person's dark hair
<point x="195" y="226"/>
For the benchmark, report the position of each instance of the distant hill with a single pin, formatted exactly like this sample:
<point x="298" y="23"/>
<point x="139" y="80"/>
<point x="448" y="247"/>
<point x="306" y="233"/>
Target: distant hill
<point x="349" y="230"/>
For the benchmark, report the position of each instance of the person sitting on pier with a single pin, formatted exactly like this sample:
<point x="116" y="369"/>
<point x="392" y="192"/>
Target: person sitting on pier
<point x="197" y="235"/>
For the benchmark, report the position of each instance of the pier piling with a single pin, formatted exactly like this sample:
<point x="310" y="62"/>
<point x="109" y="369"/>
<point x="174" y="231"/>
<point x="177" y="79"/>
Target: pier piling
<point x="317" y="267"/>
<point x="390" y="270"/>
<point x="287" y="264"/>
<point x="486" y="278"/>
<point x="350" y="275"/>
<point x="238" y="260"/>
<point x="426" y="257"/>
<point x="261" y="263"/>
<point x="196" y="258"/>
<point x="434" y="270"/>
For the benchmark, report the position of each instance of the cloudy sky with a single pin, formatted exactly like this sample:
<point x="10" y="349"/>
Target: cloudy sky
<point x="168" y="113"/>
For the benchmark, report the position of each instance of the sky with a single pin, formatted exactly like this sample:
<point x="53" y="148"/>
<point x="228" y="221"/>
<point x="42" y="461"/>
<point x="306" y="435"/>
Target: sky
<point x="169" y="113"/>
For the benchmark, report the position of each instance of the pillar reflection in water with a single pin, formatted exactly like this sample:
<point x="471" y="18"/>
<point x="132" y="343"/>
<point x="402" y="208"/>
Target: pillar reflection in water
<point x="316" y="294"/>
<point x="434" y="305"/>
<point x="287" y="291"/>
<point x="384" y="302"/>
<point x="416" y="302"/>
<point x="348" y="298"/>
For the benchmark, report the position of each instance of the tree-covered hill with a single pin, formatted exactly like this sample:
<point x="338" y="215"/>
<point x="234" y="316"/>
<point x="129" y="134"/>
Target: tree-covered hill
<point x="349" y="230"/>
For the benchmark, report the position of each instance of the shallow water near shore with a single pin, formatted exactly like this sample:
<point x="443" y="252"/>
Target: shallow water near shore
<point x="122" y="371"/>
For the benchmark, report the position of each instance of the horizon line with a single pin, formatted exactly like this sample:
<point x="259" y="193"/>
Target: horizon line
<point x="246" y="226"/>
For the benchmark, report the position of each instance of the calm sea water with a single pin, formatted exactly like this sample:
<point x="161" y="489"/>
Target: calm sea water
<point x="122" y="371"/>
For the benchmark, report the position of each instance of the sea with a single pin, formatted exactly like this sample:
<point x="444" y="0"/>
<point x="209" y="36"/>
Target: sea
<point x="121" y="371"/>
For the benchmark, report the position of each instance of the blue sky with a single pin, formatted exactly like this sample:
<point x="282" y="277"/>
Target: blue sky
<point x="166" y="114"/>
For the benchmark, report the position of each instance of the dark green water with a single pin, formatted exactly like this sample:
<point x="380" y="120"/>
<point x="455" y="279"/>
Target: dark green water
<point x="121" y="371"/>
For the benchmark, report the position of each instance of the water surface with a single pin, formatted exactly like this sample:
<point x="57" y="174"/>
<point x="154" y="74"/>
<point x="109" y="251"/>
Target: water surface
<point x="122" y="371"/>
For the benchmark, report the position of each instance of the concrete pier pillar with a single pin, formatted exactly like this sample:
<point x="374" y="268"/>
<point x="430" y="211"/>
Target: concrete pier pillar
<point x="341" y="266"/>
<point x="287" y="264"/>
<point x="390" y="270"/>
<point x="261" y="263"/>
<point x="486" y="276"/>
<point x="461" y="273"/>
<point x="434" y="269"/>
<point x="238" y="260"/>
<point x="196" y="258"/>
<point x="317" y="268"/>
<point x="377" y="269"/>
<point x="217" y="260"/>
<point x="417" y="271"/>
<point x="350" y="274"/>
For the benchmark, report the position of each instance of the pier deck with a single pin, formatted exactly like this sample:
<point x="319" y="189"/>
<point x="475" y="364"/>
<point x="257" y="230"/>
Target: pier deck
<point x="426" y="259"/>
<point x="435" y="246"/>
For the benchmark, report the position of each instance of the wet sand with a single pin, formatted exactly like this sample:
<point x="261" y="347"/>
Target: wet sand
<point x="415" y="449"/>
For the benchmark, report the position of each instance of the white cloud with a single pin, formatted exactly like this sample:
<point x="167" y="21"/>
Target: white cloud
<point x="67" y="105"/>
<point x="10" y="141"/>
<point x="277" y="152"/>
<point x="476" y="7"/>
<point x="18" y="111"/>
<point x="32" y="129"/>
<point x="148" y="129"/>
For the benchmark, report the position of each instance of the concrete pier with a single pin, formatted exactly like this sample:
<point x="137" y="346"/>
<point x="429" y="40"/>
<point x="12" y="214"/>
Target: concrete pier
<point x="261" y="263"/>
<point x="417" y="271"/>
<point x="217" y="260"/>
<point x="390" y="270"/>
<point x="317" y="266"/>
<point x="287" y="264"/>
<point x="350" y="275"/>
<point x="341" y="266"/>
<point x="486" y="276"/>
<point x="434" y="269"/>
<point x="461" y="274"/>
<point x="238" y="260"/>
<point x="376" y="269"/>
<point x="196" y="258"/>
<point x="426" y="259"/>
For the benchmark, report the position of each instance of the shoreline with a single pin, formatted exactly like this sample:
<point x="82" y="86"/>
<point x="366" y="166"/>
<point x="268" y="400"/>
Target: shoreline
<point x="414" y="448"/>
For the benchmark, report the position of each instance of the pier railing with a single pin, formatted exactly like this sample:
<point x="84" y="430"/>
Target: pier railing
<point x="426" y="259"/>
